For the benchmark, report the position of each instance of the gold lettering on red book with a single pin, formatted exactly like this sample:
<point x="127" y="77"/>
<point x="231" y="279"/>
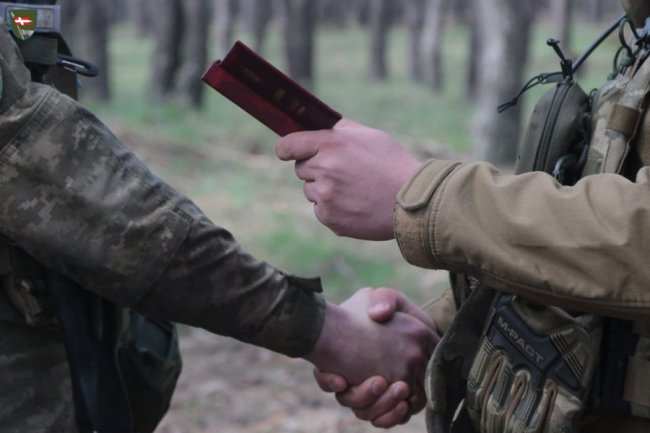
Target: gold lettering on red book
<point x="279" y="94"/>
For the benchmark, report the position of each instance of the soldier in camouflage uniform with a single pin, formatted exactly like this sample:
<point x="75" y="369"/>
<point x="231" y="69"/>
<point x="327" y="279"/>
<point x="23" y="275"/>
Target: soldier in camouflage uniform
<point x="79" y="202"/>
<point x="580" y="248"/>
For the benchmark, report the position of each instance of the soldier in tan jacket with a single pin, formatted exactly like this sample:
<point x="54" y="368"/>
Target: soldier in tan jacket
<point x="578" y="249"/>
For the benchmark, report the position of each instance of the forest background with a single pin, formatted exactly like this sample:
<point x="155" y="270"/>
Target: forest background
<point x="430" y="72"/>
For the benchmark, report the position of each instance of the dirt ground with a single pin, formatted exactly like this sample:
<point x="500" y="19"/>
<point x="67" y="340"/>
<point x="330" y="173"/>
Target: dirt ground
<point x="229" y="387"/>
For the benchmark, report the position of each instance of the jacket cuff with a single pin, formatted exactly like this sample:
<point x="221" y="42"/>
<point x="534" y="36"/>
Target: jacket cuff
<point x="416" y="210"/>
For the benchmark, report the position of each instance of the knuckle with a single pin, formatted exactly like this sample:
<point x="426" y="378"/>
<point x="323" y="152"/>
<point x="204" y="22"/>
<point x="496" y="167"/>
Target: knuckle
<point x="326" y="192"/>
<point x="361" y="414"/>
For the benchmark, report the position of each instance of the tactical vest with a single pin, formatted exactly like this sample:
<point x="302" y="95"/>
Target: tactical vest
<point x="577" y="365"/>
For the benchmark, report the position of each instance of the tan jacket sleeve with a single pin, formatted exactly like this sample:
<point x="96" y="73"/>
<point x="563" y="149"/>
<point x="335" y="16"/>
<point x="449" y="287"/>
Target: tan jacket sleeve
<point x="585" y="247"/>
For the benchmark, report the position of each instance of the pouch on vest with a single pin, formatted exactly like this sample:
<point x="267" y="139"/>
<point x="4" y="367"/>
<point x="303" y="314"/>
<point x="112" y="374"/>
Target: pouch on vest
<point x="556" y="140"/>
<point x="533" y="369"/>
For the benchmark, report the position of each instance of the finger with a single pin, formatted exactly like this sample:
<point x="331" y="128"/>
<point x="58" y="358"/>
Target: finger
<point x="303" y="171"/>
<point x="398" y="415"/>
<point x="418" y="400"/>
<point x="384" y="302"/>
<point x="330" y="382"/>
<point x="363" y="395"/>
<point x="310" y="191"/>
<point x="299" y="145"/>
<point x="388" y="401"/>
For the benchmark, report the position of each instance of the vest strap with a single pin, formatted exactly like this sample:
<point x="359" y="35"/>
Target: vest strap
<point x="623" y="119"/>
<point x="637" y="382"/>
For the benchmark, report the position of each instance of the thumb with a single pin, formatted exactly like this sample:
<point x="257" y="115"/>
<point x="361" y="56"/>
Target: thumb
<point x="348" y="123"/>
<point x="384" y="303"/>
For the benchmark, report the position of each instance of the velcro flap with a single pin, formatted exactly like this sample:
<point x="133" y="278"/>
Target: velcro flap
<point x="637" y="382"/>
<point x="623" y="119"/>
<point x="418" y="191"/>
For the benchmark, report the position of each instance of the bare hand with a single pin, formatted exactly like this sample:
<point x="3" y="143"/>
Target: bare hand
<point x="355" y="347"/>
<point x="374" y="400"/>
<point x="352" y="174"/>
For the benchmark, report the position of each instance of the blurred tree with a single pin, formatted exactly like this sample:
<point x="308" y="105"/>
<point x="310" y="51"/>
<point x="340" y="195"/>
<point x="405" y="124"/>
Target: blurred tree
<point x="432" y="42"/>
<point x="299" y="30"/>
<point x="257" y="16"/>
<point x="361" y="11"/>
<point x="167" y="28"/>
<point x="561" y="14"/>
<point x="142" y="18"/>
<point x="196" y="21"/>
<point x="86" y="25"/>
<point x="473" y="53"/>
<point x="380" y="21"/>
<point x="414" y="14"/>
<point x="335" y="12"/>
<point x="505" y="28"/>
<point x="595" y="9"/>
<point x="181" y="31"/>
<point x="225" y="18"/>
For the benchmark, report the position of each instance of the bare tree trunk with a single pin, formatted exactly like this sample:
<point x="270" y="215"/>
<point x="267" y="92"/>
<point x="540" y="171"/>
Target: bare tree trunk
<point x="432" y="42"/>
<point x="561" y="11"/>
<point x="196" y="20"/>
<point x="167" y="29"/>
<point x="361" y="9"/>
<point x="299" y="32"/>
<point x="142" y="16"/>
<point x="473" y="55"/>
<point x="415" y="21"/>
<point x="505" y="28"/>
<point x="460" y="9"/>
<point x="380" y="14"/>
<point x="596" y="10"/>
<point x="86" y="25"/>
<point x="257" y="14"/>
<point x="226" y="15"/>
<point x="334" y="12"/>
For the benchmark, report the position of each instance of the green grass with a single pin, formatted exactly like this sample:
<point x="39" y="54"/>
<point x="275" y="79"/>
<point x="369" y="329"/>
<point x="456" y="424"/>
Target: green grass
<point x="224" y="159"/>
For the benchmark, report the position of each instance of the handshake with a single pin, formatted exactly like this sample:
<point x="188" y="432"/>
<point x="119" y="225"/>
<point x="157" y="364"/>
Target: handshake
<point x="373" y="352"/>
<point x="374" y="348"/>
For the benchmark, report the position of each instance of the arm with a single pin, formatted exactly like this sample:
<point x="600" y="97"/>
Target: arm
<point x="580" y="247"/>
<point x="80" y="202"/>
<point x="586" y="243"/>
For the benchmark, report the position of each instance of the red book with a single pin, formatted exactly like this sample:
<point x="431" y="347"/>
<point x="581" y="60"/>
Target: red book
<point x="268" y="94"/>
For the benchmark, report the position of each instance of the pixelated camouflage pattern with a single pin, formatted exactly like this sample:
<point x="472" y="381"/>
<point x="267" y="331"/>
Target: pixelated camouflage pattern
<point x="36" y="394"/>
<point x="80" y="202"/>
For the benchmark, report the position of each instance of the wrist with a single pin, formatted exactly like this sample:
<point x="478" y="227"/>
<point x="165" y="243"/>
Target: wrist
<point x="325" y="347"/>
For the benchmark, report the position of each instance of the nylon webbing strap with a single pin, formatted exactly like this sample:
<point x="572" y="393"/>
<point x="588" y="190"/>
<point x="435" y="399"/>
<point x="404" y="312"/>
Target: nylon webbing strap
<point x="637" y="382"/>
<point x="39" y="49"/>
<point x="623" y="119"/>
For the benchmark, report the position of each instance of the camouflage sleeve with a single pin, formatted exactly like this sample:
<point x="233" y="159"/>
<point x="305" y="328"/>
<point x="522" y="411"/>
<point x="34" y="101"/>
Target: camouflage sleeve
<point x="80" y="202"/>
